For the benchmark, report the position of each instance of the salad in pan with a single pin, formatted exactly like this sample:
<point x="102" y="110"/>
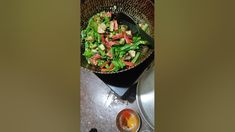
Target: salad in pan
<point x="112" y="46"/>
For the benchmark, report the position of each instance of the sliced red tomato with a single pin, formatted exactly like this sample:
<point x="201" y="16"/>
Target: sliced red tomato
<point x="117" y="36"/>
<point x="115" y="25"/>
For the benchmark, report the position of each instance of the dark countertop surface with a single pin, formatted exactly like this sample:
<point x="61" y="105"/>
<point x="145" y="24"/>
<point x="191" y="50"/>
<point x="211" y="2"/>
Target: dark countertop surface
<point x="99" y="105"/>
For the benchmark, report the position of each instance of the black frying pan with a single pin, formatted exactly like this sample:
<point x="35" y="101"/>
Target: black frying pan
<point x="141" y="11"/>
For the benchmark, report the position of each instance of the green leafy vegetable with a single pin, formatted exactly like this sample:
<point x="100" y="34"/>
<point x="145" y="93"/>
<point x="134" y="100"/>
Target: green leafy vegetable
<point x="107" y="51"/>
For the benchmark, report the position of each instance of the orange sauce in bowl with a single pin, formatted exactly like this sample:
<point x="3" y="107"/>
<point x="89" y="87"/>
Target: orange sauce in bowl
<point x="128" y="121"/>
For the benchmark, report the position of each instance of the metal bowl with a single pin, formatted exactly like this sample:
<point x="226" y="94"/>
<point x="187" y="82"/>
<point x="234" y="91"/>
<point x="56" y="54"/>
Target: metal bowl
<point x="121" y="121"/>
<point x="141" y="11"/>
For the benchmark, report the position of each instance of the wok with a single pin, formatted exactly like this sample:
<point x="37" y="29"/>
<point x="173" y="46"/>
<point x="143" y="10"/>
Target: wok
<point x="141" y="11"/>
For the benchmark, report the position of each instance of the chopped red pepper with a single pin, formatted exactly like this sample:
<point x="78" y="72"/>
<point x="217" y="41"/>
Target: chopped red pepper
<point x="115" y="25"/>
<point x="118" y="36"/>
